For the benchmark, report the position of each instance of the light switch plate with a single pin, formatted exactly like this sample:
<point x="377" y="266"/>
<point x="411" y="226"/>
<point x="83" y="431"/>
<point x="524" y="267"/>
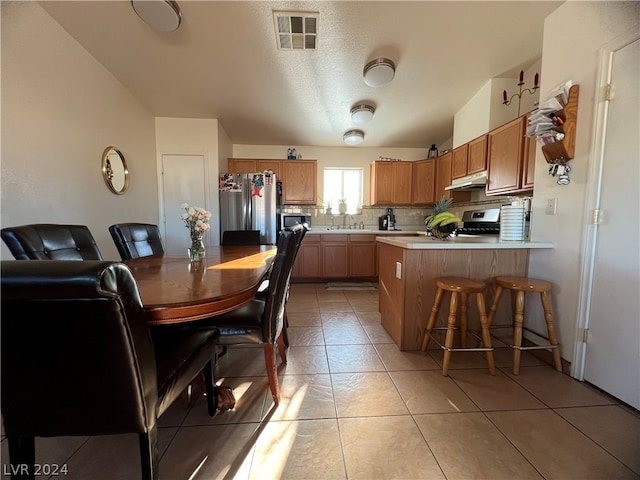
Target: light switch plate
<point x="551" y="207"/>
<point x="398" y="270"/>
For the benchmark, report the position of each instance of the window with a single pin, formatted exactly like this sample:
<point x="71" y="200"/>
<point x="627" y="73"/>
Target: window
<point x="343" y="183"/>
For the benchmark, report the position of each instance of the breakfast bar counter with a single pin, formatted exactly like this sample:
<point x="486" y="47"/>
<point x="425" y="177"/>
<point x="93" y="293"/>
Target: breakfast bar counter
<point x="409" y="266"/>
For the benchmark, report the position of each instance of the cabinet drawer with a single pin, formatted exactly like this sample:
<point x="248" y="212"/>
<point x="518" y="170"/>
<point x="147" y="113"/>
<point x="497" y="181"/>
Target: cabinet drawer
<point x="337" y="238"/>
<point x="362" y="238"/>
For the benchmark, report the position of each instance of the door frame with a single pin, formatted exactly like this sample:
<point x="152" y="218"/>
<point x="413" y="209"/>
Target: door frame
<point x="207" y="196"/>
<point x="594" y="184"/>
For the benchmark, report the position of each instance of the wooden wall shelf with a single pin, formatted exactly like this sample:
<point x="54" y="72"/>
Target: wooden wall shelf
<point x="564" y="150"/>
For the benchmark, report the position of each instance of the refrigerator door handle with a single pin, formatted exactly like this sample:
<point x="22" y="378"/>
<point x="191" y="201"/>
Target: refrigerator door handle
<point x="248" y="217"/>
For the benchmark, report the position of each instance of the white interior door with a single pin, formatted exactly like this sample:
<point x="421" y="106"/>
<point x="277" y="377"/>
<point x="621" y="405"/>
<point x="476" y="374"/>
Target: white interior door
<point x="612" y="355"/>
<point x="183" y="181"/>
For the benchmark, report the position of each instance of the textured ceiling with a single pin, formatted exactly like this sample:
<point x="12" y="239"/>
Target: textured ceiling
<point x="223" y="63"/>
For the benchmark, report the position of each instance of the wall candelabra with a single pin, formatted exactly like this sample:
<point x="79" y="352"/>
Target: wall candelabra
<point x="521" y="90"/>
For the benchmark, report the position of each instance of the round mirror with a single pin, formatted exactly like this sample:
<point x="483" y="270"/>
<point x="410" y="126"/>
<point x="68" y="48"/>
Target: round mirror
<point x="114" y="170"/>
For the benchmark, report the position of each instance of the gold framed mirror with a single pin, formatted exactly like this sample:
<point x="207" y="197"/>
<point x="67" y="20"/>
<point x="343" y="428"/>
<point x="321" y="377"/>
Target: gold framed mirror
<point x="114" y="170"/>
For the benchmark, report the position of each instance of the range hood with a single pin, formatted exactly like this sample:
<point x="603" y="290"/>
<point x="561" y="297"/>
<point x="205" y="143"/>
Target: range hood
<point x="470" y="182"/>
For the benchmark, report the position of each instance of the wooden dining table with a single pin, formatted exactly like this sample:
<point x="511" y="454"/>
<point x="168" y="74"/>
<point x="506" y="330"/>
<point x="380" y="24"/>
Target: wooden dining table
<point x="174" y="290"/>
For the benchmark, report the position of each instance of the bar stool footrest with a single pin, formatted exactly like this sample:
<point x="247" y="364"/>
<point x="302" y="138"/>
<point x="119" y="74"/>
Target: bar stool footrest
<point x="515" y="347"/>
<point x="460" y="349"/>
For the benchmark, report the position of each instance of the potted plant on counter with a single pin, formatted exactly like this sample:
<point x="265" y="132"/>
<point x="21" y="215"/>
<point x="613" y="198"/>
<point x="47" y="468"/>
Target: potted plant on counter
<point x="441" y="222"/>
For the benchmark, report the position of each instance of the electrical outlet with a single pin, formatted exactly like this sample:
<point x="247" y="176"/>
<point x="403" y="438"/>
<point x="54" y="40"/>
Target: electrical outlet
<point x="552" y="206"/>
<point x="398" y="270"/>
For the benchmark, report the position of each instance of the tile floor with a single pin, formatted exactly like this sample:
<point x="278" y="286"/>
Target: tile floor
<point x="356" y="407"/>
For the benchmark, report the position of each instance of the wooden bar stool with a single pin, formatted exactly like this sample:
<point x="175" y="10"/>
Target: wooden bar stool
<point x="462" y="287"/>
<point x="522" y="285"/>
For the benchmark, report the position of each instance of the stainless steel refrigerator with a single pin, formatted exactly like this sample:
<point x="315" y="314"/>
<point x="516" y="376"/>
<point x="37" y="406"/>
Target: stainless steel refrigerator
<point x="250" y="201"/>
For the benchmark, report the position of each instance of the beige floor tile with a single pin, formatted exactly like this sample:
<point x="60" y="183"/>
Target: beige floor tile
<point x="428" y="391"/>
<point x="344" y="334"/>
<point x="176" y="413"/>
<point x="394" y="359"/>
<point x="211" y="452"/>
<point x="365" y="307"/>
<point x="242" y="362"/>
<point x="306" y="360"/>
<point x="386" y="448"/>
<point x="304" y="319"/>
<point x="494" y="392"/>
<point x="302" y="288"/>
<point x="356" y="298"/>
<point x="51" y="451"/>
<point x="556" y="448"/>
<point x="332" y="297"/>
<point x="612" y="427"/>
<point x="556" y="389"/>
<point x="335" y="307"/>
<point x="368" y="394"/>
<point x="110" y="457"/>
<point x="461" y="360"/>
<point x="302" y="297"/>
<point x="339" y="318"/>
<point x="302" y="307"/>
<point x="305" y="397"/>
<point x="468" y="446"/>
<point x="250" y="394"/>
<point x="303" y="336"/>
<point x="503" y="357"/>
<point x="353" y="358"/>
<point x="369" y="318"/>
<point x="308" y="449"/>
<point x="377" y="334"/>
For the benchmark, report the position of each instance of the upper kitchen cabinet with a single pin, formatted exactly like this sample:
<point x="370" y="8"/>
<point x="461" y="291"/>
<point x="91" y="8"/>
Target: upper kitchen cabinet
<point x="506" y="159"/>
<point x="470" y="158"/>
<point x="391" y="183"/>
<point x="299" y="182"/>
<point x="423" y="182"/>
<point x="298" y="176"/>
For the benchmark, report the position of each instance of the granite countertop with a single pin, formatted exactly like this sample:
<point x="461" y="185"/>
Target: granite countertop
<point x="460" y="243"/>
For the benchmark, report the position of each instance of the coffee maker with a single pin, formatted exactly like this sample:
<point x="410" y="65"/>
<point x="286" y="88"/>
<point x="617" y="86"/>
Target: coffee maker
<point x="388" y="221"/>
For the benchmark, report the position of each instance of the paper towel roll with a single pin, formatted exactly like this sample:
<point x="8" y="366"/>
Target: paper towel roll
<point x="512" y="223"/>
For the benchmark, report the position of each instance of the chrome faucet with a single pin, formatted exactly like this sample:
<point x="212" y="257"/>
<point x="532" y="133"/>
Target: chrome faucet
<point x="344" y="219"/>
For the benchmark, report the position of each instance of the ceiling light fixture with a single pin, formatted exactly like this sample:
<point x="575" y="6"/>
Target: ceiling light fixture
<point x="163" y="15"/>
<point x="379" y="72"/>
<point x="353" y="137"/>
<point x="362" y="113"/>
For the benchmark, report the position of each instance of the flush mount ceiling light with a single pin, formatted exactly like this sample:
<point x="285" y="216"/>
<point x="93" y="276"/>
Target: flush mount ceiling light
<point x="163" y="15"/>
<point x="353" y="137"/>
<point x="362" y="113"/>
<point x="379" y="72"/>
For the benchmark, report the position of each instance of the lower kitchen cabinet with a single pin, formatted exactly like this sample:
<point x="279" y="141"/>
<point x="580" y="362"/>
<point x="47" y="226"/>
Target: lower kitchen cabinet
<point x="362" y="256"/>
<point x="335" y="256"/>
<point x="307" y="263"/>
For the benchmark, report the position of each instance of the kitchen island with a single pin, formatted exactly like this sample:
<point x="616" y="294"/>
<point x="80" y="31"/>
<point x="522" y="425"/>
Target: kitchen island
<point x="408" y="267"/>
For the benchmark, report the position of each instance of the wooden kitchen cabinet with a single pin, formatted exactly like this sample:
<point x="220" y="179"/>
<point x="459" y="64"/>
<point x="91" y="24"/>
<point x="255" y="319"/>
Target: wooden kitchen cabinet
<point x="391" y="183"/>
<point x="443" y="175"/>
<point x="335" y="256"/>
<point x="423" y="182"/>
<point x="505" y="158"/>
<point x="529" y="168"/>
<point x="362" y="256"/>
<point x="459" y="161"/>
<point x="299" y="177"/>
<point x="307" y="264"/>
<point x="299" y="182"/>
<point x="477" y="155"/>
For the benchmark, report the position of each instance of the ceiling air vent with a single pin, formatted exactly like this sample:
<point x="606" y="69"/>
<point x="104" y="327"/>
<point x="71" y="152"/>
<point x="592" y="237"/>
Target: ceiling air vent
<point x="296" y="30"/>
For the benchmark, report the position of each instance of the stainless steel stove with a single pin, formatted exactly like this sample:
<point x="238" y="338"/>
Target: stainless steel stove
<point x="480" y="222"/>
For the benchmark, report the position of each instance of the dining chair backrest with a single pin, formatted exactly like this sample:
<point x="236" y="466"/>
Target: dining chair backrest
<point x="279" y="277"/>
<point x="241" y="237"/>
<point x="45" y="241"/>
<point x="134" y="240"/>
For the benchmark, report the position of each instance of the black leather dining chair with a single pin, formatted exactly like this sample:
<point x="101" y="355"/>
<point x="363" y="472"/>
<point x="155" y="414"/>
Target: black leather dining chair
<point x="46" y="241"/>
<point x="134" y="240"/>
<point x="78" y="358"/>
<point x="241" y="237"/>
<point x="261" y="320"/>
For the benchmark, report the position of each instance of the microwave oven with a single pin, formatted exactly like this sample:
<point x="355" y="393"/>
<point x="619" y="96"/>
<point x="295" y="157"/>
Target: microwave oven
<point x="291" y="219"/>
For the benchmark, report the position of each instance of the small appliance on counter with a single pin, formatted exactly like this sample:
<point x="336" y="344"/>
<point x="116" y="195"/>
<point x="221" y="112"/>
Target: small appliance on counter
<point x="388" y="221"/>
<point x="480" y="222"/>
<point x="291" y="219"/>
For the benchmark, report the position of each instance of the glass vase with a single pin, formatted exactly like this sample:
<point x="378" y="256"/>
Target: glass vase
<point x="196" y="251"/>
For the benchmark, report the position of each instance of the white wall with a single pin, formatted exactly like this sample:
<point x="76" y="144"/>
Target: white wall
<point x="573" y="35"/>
<point x="196" y="136"/>
<point x="60" y="110"/>
<point x="333" y="157"/>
